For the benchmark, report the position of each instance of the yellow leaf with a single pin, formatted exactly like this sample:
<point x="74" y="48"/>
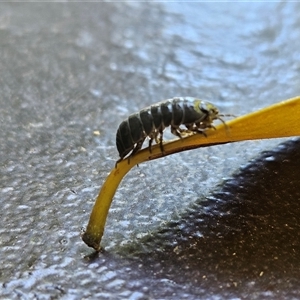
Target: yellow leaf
<point x="275" y="121"/>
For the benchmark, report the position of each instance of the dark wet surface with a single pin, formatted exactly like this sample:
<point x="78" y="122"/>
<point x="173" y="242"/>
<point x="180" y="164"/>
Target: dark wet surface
<point x="241" y="240"/>
<point x="219" y="222"/>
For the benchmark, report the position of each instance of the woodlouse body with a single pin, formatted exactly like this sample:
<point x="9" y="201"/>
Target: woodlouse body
<point x="196" y="115"/>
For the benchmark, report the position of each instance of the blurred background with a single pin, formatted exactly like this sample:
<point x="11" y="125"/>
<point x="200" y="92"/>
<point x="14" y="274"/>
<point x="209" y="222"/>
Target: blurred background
<point x="214" y="223"/>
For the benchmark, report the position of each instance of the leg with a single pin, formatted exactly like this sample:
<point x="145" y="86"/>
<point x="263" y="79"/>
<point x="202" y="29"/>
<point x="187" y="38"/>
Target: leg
<point x="199" y="128"/>
<point x="161" y="142"/>
<point x="196" y="128"/>
<point x="121" y="158"/>
<point x="137" y="147"/>
<point x="175" y="131"/>
<point x="150" y="145"/>
<point x="204" y="126"/>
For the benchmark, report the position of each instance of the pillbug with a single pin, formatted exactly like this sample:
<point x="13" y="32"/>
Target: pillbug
<point x="196" y="115"/>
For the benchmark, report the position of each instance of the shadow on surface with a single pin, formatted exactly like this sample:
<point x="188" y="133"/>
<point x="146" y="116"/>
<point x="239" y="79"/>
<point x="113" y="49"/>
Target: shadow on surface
<point x="246" y="233"/>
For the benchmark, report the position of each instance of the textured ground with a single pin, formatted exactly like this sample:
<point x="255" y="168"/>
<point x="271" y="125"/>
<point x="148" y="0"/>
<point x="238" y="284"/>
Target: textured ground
<point x="213" y="223"/>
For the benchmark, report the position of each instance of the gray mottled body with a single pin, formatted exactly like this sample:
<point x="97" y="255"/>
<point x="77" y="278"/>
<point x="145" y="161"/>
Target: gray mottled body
<point x="195" y="114"/>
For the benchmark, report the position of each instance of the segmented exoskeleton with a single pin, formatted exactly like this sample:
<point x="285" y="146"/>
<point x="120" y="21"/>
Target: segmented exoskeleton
<point x="196" y="115"/>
